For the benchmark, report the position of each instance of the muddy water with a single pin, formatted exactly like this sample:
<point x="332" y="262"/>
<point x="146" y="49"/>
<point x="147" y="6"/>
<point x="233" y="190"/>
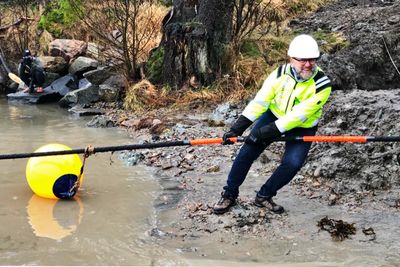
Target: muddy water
<point x="109" y="221"/>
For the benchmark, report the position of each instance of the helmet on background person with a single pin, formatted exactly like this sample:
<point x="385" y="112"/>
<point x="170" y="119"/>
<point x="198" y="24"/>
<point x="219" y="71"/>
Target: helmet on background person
<point x="303" y="46"/>
<point x="26" y="53"/>
<point x="27" y="58"/>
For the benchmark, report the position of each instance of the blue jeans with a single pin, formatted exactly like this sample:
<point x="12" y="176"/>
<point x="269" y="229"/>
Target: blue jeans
<point x="292" y="161"/>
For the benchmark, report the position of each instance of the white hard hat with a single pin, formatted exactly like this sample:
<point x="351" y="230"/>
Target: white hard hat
<point x="303" y="46"/>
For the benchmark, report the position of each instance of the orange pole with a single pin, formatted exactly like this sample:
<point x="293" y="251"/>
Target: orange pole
<point x="210" y="141"/>
<point x="344" y="138"/>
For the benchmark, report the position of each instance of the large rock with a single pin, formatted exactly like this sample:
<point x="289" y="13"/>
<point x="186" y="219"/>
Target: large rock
<point x="108" y="93"/>
<point x="50" y="78"/>
<point x="53" y="64"/>
<point x="82" y="65"/>
<point x="117" y="80"/>
<point x="65" y="84"/>
<point x="80" y="96"/>
<point x="111" y="88"/>
<point x="98" y="76"/>
<point x="51" y="94"/>
<point x="93" y="50"/>
<point x="33" y="98"/>
<point x="66" y="48"/>
<point x="82" y="111"/>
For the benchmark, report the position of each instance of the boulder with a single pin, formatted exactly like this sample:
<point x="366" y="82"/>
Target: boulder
<point x="80" y="96"/>
<point x="117" y="80"/>
<point x="51" y="94"/>
<point x="92" y="51"/>
<point x="98" y="76"/>
<point x="50" y="78"/>
<point x="108" y="93"/>
<point x="53" y="64"/>
<point x="82" y="111"/>
<point x="66" y="48"/>
<point x="82" y="65"/>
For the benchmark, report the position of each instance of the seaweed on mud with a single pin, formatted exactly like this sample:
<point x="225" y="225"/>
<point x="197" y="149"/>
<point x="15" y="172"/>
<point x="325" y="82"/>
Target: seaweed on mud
<point x="338" y="229"/>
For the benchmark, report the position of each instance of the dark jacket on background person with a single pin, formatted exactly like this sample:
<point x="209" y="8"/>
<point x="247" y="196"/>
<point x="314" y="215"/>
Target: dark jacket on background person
<point x="31" y="72"/>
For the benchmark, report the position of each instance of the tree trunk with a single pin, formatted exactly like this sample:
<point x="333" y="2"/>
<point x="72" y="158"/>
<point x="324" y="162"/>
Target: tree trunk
<point x="196" y="37"/>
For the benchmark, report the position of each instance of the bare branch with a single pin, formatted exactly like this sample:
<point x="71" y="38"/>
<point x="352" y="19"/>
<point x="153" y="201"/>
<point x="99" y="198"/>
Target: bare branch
<point x="135" y="22"/>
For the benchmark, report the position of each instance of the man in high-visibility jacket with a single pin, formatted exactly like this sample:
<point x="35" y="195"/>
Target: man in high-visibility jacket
<point x="289" y="102"/>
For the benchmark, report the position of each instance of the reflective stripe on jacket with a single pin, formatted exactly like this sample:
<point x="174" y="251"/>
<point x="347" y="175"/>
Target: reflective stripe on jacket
<point x="294" y="103"/>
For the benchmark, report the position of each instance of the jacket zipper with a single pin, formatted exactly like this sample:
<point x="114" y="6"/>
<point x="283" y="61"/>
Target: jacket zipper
<point x="290" y="96"/>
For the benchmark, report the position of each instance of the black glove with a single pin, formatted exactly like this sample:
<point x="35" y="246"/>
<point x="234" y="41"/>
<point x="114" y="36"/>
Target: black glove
<point x="237" y="129"/>
<point x="226" y="136"/>
<point x="263" y="135"/>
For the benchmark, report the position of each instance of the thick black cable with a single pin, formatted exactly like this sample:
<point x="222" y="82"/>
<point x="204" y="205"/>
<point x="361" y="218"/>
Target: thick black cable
<point x="95" y="150"/>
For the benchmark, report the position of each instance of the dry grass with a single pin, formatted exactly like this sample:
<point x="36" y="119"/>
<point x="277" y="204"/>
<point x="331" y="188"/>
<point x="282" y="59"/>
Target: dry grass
<point x="297" y="7"/>
<point x="250" y="71"/>
<point x="224" y="89"/>
<point x="144" y="96"/>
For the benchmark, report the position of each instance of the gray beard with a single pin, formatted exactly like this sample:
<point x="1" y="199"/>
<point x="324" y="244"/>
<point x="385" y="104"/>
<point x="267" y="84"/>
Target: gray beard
<point x="301" y="78"/>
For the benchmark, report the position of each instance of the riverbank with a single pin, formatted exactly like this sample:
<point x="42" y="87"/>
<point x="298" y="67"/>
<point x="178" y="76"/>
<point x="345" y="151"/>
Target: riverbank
<point x="355" y="183"/>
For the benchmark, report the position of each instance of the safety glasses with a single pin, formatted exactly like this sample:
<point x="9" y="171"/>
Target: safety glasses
<point x="305" y="60"/>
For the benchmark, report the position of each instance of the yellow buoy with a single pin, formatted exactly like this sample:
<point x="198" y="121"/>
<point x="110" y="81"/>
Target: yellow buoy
<point x="54" y="177"/>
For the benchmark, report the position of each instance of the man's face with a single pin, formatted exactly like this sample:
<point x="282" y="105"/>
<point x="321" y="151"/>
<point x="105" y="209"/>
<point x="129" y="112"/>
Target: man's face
<point x="304" y="67"/>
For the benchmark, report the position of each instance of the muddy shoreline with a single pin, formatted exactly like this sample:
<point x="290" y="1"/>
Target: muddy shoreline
<point x="192" y="179"/>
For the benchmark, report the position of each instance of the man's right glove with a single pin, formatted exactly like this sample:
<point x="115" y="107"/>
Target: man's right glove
<point x="237" y="129"/>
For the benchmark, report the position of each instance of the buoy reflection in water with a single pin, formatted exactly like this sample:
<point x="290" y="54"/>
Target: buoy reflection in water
<point x="55" y="219"/>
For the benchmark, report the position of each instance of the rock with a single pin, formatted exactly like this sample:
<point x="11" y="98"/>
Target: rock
<point x="81" y="65"/>
<point x="108" y="93"/>
<point x="214" y="168"/>
<point x="81" y="96"/>
<point x="66" y="48"/>
<point x="100" y="121"/>
<point x="53" y="64"/>
<point x="98" y="76"/>
<point x="224" y="114"/>
<point x="93" y="50"/>
<point x="82" y="111"/>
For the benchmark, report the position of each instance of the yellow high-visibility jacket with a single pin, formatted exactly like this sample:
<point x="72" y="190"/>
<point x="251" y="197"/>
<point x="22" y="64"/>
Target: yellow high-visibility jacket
<point x="296" y="103"/>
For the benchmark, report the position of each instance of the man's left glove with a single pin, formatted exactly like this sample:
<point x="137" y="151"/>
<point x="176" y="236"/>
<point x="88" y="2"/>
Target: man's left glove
<point x="263" y="134"/>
